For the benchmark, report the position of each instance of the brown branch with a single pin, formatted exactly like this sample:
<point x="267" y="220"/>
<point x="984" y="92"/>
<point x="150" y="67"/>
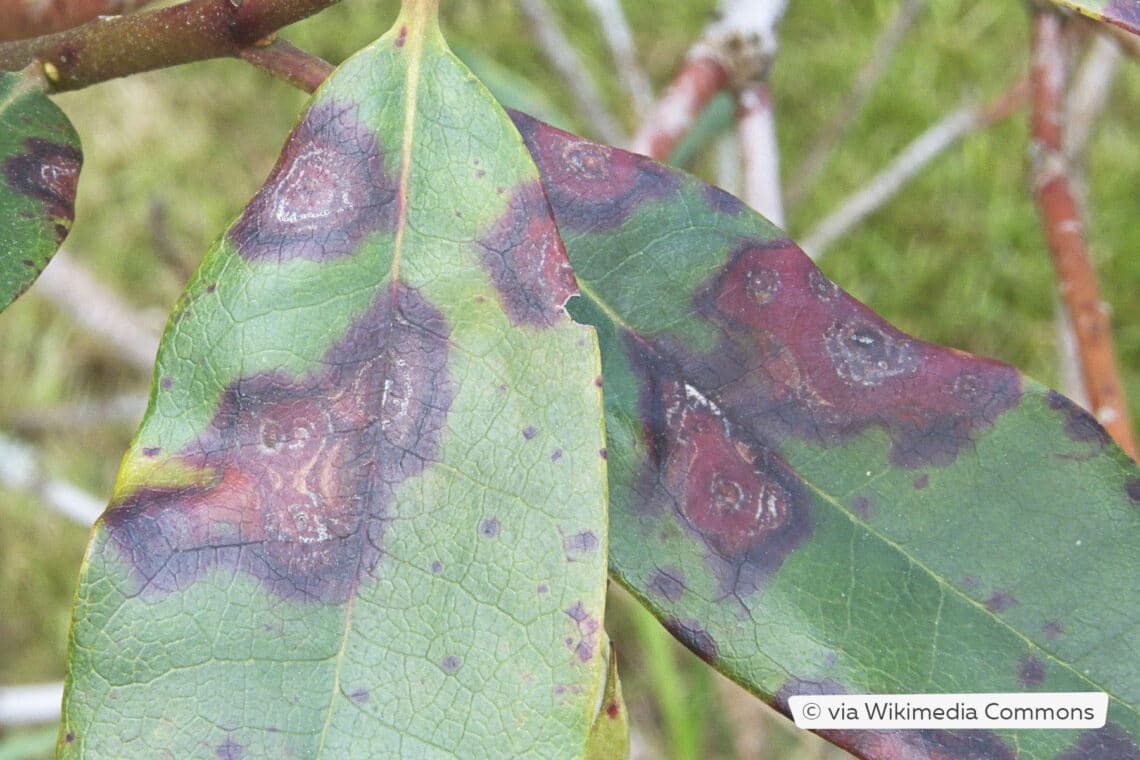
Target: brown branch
<point x="700" y="78"/>
<point x="193" y="31"/>
<point x="291" y="64"/>
<point x="21" y="19"/>
<point x="1064" y="230"/>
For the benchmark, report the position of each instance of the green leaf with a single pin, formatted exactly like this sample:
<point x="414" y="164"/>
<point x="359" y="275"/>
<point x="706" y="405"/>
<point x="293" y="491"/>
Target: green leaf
<point x="815" y="502"/>
<point x="39" y="172"/>
<point x="609" y="737"/>
<point x="365" y="514"/>
<point x="1122" y="13"/>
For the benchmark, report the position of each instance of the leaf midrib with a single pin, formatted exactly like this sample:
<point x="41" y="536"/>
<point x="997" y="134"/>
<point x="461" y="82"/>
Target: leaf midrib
<point x="417" y="20"/>
<point x="587" y="290"/>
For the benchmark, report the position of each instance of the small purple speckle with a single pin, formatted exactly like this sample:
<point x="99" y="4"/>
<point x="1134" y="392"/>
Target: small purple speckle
<point x="69" y="737"/>
<point x="211" y="287"/>
<point x="971" y="581"/>
<point x="360" y="696"/>
<point x="229" y="750"/>
<point x="151" y="451"/>
<point x="437" y="567"/>
<point x="489" y="528"/>
<point x="556" y="455"/>
<point x="543" y="588"/>
<point x="862" y="505"/>
<point x="603" y="453"/>
<point x="529" y="432"/>
<point x="1031" y="672"/>
<point x="167" y="383"/>
<point x="922" y="481"/>
<point x="1053" y="628"/>
<point x="503" y="388"/>
<point x="451" y="664"/>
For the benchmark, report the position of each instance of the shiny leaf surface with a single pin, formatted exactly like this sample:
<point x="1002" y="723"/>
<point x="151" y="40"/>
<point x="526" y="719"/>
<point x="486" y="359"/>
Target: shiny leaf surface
<point x="365" y="513"/>
<point x="815" y="502"/>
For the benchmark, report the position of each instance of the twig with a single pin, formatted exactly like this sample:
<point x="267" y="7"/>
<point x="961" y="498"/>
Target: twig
<point x="1089" y="94"/>
<point x="615" y="29"/>
<point x="30" y="705"/>
<point x="192" y="31"/>
<point x="1064" y="231"/>
<point x="569" y="66"/>
<point x="885" y="47"/>
<point x="756" y="125"/>
<point x="100" y="310"/>
<point x="20" y="19"/>
<point x="20" y="472"/>
<point x="1072" y="384"/>
<point x="927" y="146"/>
<point x="291" y="64"/>
<point x="734" y="51"/>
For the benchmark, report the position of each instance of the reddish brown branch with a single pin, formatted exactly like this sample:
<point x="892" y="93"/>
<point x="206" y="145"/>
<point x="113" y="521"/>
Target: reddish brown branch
<point x="193" y="31"/>
<point x="700" y="78"/>
<point x="20" y="19"/>
<point x="291" y="64"/>
<point x="1064" y="231"/>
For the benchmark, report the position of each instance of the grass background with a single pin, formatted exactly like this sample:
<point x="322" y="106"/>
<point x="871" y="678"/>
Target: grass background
<point x="957" y="258"/>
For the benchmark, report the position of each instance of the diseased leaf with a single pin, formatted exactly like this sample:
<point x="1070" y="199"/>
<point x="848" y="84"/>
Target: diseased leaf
<point x="1122" y="13"/>
<point x="815" y="502"/>
<point x="39" y="172"/>
<point x="364" y="516"/>
<point x="609" y="738"/>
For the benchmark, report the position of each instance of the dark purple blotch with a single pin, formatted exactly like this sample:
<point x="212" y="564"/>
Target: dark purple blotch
<point x="49" y="173"/>
<point x="229" y="750"/>
<point x="1108" y="743"/>
<point x="722" y="201"/>
<point x="588" y="628"/>
<point x="862" y="506"/>
<point x="1080" y="426"/>
<point x="669" y="583"/>
<point x="526" y="260"/>
<point x="1053" y="628"/>
<point x="591" y="187"/>
<point x="693" y="635"/>
<point x="329" y="189"/>
<point x="1031" y="672"/>
<point x="1000" y="601"/>
<point x="356" y="431"/>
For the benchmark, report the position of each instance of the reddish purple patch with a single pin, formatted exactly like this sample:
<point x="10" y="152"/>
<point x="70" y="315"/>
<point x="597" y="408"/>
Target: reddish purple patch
<point x="401" y="36"/>
<point x="69" y="737"/>
<point x="588" y="627"/>
<point x="1080" y="426"/>
<point x="49" y="173"/>
<point x="1108" y="743"/>
<point x="669" y="583"/>
<point x="999" y="602"/>
<point x="328" y="190"/>
<point x="603" y="453"/>
<point x="229" y="750"/>
<point x="489" y="528"/>
<point x="1053" y="629"/>
<point x="593" y="186"/>
<point x="837" y="368"/>
<point x="527" y="262"/>
<point x="693" y="635"/>
<point x="298" y="474"/>
<point x="451" y="664"/>
<point x="738" y="495"/>
<point x="1031" y="672"/>
<point x="926" y="744"/>
<point x="613" y="710"/>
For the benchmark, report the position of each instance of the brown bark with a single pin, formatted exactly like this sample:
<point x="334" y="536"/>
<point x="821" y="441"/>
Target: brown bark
<point x="1064" y="230"/>
<point x="193" y="31"/>
<point x="699" y="79"/>
<point x="293" y="65"/>
<point x="21" y="19"/>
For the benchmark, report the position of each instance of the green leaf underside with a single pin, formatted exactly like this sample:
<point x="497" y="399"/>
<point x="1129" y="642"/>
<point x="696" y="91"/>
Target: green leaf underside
<point x="39" y="172"/>
<point x="815" y="502"/>
<point x="1122" y="13"/>
<point x="365" y="513"/>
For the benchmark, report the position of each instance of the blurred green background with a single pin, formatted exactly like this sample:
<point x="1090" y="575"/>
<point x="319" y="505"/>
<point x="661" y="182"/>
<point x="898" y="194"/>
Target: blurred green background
<point x="957" y="258"/>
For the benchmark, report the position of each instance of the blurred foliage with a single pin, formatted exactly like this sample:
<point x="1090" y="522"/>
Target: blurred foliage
<point x="957" y="258"/>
